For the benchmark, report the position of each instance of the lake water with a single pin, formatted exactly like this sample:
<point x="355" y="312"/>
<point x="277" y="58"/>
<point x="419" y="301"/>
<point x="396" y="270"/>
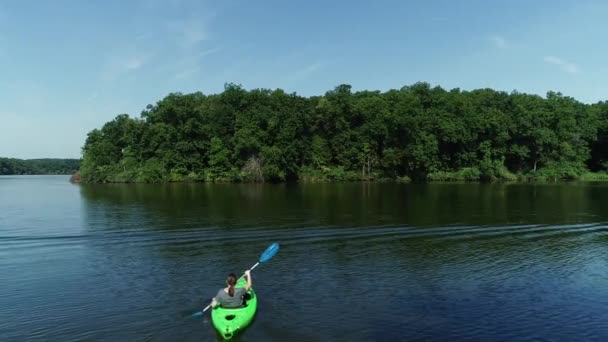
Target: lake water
<point x="358" y="262"/>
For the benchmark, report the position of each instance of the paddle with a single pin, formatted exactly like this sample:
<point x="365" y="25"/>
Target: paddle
<point x="264" y="257"/>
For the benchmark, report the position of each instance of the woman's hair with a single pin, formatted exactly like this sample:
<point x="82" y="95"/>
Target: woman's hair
<point x="231" y="281"/>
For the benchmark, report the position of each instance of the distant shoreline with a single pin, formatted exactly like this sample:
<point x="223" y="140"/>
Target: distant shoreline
<point x="42" y="166"/>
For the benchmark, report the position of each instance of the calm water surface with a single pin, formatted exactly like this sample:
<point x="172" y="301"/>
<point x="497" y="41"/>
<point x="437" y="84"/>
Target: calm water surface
<point x="358" y="262"/>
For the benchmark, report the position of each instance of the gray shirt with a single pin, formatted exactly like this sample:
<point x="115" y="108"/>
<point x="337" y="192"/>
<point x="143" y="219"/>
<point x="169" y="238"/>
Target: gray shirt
<point x="230" y="302"/>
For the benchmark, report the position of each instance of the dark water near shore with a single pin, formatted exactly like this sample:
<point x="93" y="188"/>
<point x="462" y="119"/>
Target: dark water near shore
<point x="358" y="262"/>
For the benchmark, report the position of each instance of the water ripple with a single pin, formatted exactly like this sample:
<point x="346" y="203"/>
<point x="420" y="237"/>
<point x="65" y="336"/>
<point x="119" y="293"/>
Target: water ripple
<point x="357" y="263"/>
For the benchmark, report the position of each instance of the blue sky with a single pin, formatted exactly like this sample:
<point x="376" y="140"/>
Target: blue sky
<point x="67" y="67"/>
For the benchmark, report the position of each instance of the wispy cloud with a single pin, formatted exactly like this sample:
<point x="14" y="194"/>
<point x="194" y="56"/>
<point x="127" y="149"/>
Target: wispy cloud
<point x="134" y="62"/>
<point x="187" y="73"/>
<point x="92" y="97"/>
<point x="305" y="72"/>
<point x="565" y="66"/>
<point x="189" y="66"/>
<point x="498" y="41"/>
<point x="119" y="65"/>
<point x="310" y="69"/>
<point x="185" y="24"/>
<point x="190" y="32"/>
<point x="208" y="52"/>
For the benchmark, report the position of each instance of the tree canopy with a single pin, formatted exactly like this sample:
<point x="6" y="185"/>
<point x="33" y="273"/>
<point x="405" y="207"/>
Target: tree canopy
<point x="417" y="132"/>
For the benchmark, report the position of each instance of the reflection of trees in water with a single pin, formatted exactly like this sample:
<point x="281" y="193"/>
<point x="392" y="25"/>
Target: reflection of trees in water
<point x="169" y="206"/>
<point x="154" y="231"/>
<point x="436" y="268"/>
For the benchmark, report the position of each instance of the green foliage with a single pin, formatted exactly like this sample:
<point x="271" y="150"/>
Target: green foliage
<point x="492" y="170"/>
<point x="417" y="132"/>
<point x="219" y="160"/>
<point x="329" y="174"/>
<point x="465" y="174"/>
<point x="599" y="147"/>
<point x="560" y="171"/>
<point x="403" y="179"/>
<point x="152" y="171"/>
<point x="320" y="152"/>
<point x="11" y="166"/>
<point x="594" y="177"/>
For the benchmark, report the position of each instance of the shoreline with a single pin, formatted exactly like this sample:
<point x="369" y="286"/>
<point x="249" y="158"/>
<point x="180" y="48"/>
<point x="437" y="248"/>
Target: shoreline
<point x="589" y="177"/>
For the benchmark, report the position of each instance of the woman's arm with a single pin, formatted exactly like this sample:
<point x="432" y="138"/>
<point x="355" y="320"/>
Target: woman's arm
<point x="249" y="282"/>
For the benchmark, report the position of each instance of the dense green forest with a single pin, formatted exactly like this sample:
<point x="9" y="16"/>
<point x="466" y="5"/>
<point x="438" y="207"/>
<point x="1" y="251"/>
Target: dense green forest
<point x="417" y="132"/>
<point x="10" y="166"/>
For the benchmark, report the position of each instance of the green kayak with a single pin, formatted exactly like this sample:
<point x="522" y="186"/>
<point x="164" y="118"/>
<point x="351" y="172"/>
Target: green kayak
<point x="228" y="322"/>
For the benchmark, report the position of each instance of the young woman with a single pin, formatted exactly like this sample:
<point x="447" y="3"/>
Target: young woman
<point x="231" y="297"/>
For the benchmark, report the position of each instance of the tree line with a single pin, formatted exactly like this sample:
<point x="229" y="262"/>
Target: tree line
<point x="417" y="132"/>
<point x="12" y="166"/>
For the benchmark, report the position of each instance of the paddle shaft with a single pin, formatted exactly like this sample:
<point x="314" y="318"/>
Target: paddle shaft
<point x="251" y="269"/>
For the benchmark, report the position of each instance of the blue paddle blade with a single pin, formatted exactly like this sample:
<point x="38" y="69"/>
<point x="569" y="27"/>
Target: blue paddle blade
<point x="269" y="252"/>
<point x="197" y="314"/>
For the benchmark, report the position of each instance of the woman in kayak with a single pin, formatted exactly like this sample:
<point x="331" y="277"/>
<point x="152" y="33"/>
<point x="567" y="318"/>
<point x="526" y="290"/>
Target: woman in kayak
<point x="230" y="296"/>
